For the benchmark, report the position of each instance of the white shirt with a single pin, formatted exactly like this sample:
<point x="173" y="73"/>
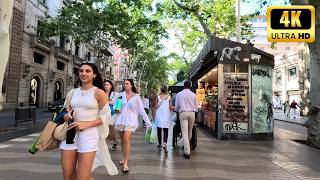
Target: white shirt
<point x="130" y="110"/>
<point x="186" y="101"/>
<point x="145" y="102"/>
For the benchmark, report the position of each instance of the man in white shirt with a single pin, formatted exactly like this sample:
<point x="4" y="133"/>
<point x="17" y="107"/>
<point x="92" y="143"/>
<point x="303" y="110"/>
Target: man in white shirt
<point x="146" y="105"/>
<point x="186" y="104"/>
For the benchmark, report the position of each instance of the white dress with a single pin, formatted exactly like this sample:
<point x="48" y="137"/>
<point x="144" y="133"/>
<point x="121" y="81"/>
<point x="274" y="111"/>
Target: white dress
<point x="163" y="114"/>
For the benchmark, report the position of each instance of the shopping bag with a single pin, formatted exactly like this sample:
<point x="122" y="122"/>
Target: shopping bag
<point x="32" y="149"/>
<point x="46" y="140"/>
<point x="173" y="116"/>
<point x="153" y="136"/>
<point x="147" y="135"/>
<point x="193" y="142"/>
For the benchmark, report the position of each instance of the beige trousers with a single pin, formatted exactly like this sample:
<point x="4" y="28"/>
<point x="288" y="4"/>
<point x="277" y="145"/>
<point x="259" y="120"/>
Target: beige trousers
<point x="186" y="122"/>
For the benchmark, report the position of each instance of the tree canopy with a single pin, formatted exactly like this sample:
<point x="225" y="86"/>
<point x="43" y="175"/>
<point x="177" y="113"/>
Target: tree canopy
<point x="193" y="21"/>
<point x="132" y="25"/>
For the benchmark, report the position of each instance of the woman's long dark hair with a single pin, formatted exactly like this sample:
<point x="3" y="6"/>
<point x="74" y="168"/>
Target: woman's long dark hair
<point x="134" y="89"/>
<point x="97" y="81"/>
<point x="112" y="88"/>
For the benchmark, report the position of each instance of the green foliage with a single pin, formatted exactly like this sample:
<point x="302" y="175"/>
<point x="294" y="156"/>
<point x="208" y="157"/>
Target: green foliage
<point x="189" y="20"/>
<point x="131" y="24"/>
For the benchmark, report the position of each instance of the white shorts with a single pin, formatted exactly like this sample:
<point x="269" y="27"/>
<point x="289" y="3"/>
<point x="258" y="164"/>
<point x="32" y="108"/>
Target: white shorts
<point x="85" y="141"/>
<point x="123" y="128"/>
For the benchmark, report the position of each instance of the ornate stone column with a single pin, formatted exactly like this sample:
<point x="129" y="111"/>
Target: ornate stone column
<point x="6" y="9"/>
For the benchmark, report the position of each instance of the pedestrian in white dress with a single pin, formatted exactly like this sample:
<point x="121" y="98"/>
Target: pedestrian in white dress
<point x="127" y="121"/>
<point x="163" y="117"/>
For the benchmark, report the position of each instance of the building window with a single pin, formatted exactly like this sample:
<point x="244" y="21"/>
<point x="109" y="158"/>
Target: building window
<point x="42" y="1"/>
<point x="76" y="52"/>
<point x="38" y="58"/>
<point x="89" y="56"/>
<point x="60" y="65"/>
<point x="308" y="74"/>
<point x="278" y="77"/>
<point x="39" y="24"/>
<point x="62" y="42"/>
<point x="292" y="73"/>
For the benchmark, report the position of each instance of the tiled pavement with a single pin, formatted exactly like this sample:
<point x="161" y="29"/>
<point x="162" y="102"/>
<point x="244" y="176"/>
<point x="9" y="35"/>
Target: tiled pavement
<point x="213" y="159"/>
<point x="279" y="115"/>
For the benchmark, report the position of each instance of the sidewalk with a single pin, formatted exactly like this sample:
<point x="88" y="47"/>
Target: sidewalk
<point x="212" y="159"/>
<point x="279" y="115"/>
<point x="8" y="130"/>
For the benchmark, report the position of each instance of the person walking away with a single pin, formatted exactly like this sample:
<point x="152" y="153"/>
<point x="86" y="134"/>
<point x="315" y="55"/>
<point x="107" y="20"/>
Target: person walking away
<point x="146" y="105"/>
<point x="286" y="109"/>
<point x="127" y="122"/>
<point x="186" y="104"/>
<point x="112" y="96"/>
<point x="89" y="114"/>
<point x="163" y="117"/>
<point x="294" y="106"/>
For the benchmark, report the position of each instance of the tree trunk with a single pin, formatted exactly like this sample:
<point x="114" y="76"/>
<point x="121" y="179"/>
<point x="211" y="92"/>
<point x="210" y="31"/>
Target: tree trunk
<point x="315" y="64"/>
<point x="313" y="122"/>
<point x="204" y="25"/>
<point x="195" y="10"/>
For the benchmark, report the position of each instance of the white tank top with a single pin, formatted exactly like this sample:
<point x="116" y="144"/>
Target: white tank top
<point x="85" y="104"/>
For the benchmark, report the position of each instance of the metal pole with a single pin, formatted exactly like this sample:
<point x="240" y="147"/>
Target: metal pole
<point x="238" y="16"/>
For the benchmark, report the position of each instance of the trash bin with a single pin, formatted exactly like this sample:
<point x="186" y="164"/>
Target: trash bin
<point x="32" y="113"/>
<point x="21" y="114"/>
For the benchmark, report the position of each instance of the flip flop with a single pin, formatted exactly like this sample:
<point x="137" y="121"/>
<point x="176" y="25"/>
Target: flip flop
<point x="125" y="169"/>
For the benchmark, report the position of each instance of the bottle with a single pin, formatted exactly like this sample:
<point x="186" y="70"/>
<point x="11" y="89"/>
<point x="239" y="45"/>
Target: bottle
<point x="118" y="104"/>
<point x="71" y="133"/>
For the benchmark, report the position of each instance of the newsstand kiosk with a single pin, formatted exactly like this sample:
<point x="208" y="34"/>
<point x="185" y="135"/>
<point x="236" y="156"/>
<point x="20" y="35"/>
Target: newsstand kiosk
<point x="237" y="81"/>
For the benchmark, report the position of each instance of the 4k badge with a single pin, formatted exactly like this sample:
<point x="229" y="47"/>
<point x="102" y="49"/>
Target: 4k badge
<point x="291" y="24"/>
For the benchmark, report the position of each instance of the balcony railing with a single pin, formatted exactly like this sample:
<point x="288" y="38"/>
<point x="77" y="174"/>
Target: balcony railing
<point x="62" y="53"/>
<point x="36" y="41"/>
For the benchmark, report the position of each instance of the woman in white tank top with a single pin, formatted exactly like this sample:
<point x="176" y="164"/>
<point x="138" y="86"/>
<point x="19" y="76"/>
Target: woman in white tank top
<point x="86" y="106"/>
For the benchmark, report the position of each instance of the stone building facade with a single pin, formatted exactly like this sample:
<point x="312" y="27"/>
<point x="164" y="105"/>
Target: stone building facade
<point x="291" y="71"/>
<point x="292" y="77"/>
<point x="40" y="71"/>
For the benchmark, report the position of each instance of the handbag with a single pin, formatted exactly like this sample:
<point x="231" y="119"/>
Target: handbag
<point x="46" y="140"/>
<point x="60" y="133"/>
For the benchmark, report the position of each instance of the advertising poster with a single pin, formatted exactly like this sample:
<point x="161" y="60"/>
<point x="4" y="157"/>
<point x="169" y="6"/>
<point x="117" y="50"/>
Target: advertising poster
<point x="235" y="103"/>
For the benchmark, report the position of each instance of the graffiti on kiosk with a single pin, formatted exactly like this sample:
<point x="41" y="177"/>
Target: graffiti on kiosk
<point x="256" y="57"/>
<point x="261" y="72"/>
<point x="235" y="126"/>
<point x="262" y="112"/>
<point x="231" y="52"/>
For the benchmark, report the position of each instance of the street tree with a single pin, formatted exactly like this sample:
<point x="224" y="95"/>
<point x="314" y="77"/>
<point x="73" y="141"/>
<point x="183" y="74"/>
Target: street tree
<point x="97" y="22"/>
<point x="194" y="22"/>
<point x="130" y="24"/>
<point x="313" y="122"/>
